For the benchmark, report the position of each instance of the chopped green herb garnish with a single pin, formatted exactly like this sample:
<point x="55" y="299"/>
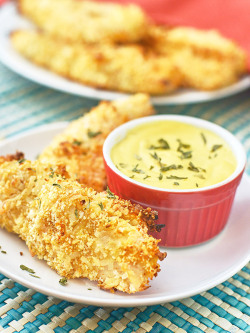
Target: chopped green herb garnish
<point x="147" y="176"/>
<point x="176" y="177"/>
<point x="215" y="147"/>
<point x="51" y="175"/>
<point x="63" y="281"/>
<point x="100" y="204"/>
<point x="77" y="143"/>
<point x="135" y="169"/>
<point x="110" y="194"/>
<point x="76" y="213"/>
<point x="57" y="185"/>
<point x="182" y="145"/>
<point x="132" y="176"/>
<point x="176" y="183"/>
<point x="25" y="268"/>
<point x="204" y="138"/>
<point x="35" y="276"/>
<point x="92" y="134"/>
<point x="163" y="144"/>
<point x="191" y="167"/>
<point x="171" y="167"/>
<point x="4" y="252"/>
<point x="185" y="154"/>
<point x="197" y="185"/>
<point x="22" y="161"/>
<point x="123" y="165"/>
<point x="88" y="205"/>
<point x="155" y="156"/>
<point x="151" y="167"/>
<point x="160" y="176"/>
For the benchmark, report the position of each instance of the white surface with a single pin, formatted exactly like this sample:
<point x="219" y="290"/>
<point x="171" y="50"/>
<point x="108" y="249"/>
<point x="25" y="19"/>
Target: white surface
<point x="185" y="272"/>
<point x="10" y="20"/>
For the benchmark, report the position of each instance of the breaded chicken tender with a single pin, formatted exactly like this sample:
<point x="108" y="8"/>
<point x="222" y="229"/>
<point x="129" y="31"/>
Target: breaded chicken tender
<point x="116" y="47"/>
<point x="86" y="21"/>
<point x="205" y="59"/>
<point x="127" y="68"/>
<point x="79" y="232"/>
<point x="79" y="146"/>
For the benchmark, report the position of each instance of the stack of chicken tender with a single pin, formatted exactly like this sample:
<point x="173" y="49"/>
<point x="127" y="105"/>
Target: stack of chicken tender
<point x="117" y="47"/>
<point x="58" y="205"/>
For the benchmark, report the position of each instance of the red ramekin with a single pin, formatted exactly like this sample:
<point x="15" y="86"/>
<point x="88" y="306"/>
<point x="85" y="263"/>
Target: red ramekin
<point x="190" y="216"/>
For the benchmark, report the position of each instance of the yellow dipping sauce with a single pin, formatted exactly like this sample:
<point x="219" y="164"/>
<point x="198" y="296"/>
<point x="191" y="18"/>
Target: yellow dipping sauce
<point x="173" y="155"/>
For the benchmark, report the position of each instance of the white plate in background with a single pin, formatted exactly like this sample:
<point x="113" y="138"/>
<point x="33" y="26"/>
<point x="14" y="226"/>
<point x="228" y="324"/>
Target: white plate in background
<point x="11" y="20"/>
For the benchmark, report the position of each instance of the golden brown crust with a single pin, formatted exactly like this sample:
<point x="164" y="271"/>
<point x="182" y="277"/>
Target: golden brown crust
<point x="79" y="232"/>
<point x="127" y="68"/>
<point x="205" y="59"/>
<point x="163" y="61"/>
<point x="79" y="147"/>
<point x="96" y="22"/>
<point x="10" y="157"/>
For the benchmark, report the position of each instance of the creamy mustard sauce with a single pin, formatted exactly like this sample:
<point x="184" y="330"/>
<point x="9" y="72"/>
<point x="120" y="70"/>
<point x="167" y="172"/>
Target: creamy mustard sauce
<point x="174" y="155"/>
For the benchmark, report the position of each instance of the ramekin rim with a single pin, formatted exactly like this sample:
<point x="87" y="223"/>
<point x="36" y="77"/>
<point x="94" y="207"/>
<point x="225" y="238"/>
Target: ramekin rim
<point x="110" y="142"/>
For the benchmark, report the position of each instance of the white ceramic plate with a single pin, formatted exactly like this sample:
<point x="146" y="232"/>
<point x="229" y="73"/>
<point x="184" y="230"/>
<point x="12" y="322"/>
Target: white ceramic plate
<point x="185" y="271"/>
<point x="10" y="20"/>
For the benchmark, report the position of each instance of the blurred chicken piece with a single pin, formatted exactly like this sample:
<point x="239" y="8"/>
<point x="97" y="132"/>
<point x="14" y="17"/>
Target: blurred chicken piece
<point x="79" y="147"/>
<point x="86" y="21"/>
<point x="80" y="233"/>
<point x="205" y="59"/>
<point x="127" y="68"/>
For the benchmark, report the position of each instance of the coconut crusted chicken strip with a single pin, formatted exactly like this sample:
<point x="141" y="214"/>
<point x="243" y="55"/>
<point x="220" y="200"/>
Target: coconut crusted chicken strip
<point x="79" y="232"/>
<point x="86" y="21"/>
<point x="79" y="147"/>
<point x="205" y="59"/>
<point x="128" y="68"/>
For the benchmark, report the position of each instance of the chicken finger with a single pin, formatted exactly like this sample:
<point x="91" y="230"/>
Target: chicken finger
<point x="79" y="147"/>
<point x="80" y="233"/>
<point x="129" y="68"/>
<point x="86" y="21"/>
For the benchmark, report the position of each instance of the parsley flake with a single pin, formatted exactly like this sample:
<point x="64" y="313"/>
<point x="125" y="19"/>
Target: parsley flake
<point x="215" y="147"/>
<point x="100" y="204"/>
<point x="92" y="134"/>
<point x="25" y="268"/>
<point x="77" y="142"/>
<point x="135" y="169"/>
<point x="110" y="194"/>
<point x="63" y="281"/>
<point x="57" y="185"/>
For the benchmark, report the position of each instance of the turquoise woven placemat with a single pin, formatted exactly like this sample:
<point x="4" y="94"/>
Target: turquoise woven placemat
<point x="224" y="308"/>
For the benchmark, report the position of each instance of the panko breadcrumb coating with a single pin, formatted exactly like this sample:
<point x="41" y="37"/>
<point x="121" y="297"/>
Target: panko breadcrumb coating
<point x="86" y="21"/>
<point x="80" y="233"/>
<point x="205" y="59"/>
<point x="127" y="68"/>
<point x="79" y="146"/>
<point x="157" y="60"/>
